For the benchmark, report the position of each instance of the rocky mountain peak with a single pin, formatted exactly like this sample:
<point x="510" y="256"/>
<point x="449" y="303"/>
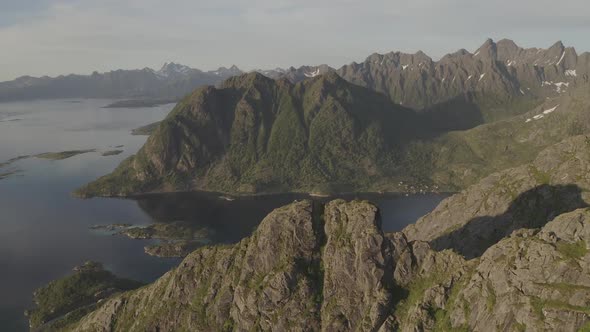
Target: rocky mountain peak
<point x="507" y="49"/>
<point x="170" y="69"/>
<point x="246" y="80"/>
<point x="487" y="51"/>
<point x="557" y="46"/>
<point x="227" y="72"/>
<point x="556" y="51"/>
<point x="461" y="52"/>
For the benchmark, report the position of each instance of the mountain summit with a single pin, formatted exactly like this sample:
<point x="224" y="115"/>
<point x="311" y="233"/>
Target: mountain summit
<point x="256" y="134"/>
<point x="172" y="69"/>
<point x="172" y="81"/>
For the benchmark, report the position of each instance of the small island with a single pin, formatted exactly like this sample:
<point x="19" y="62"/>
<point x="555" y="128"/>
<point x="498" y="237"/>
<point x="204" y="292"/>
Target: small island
<point x="12" y="171"/>
<point x="111" y="153"/>
<point x="11" y="120"/>
<point x="4" y="175"/>
<point x="176" y="239"/>
<point x="63" y="154"/>
<point x="13" y="160"/>
<point x="110" y="228"/>
<point x="140" y="103"/>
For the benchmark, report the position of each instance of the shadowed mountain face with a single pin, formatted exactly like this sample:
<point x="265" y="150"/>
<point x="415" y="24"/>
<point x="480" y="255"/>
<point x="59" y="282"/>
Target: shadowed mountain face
<point x="531" y="209"/>
<point x="523" y="197"/>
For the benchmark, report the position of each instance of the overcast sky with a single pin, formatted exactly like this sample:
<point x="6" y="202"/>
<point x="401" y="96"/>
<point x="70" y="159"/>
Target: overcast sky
<point x="52" y="37"/>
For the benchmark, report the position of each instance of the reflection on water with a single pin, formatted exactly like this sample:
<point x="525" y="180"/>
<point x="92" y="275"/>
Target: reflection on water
<point x="44" y="232"/>
<point x="230" y="221"/>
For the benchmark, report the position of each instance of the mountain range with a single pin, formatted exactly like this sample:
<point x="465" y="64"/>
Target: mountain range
<point x="501" y="71"/>
<point x="315" y="130"/>
<point x="510" y="253"/>
<point x="506" y="128"/>
<point x="172" y="81"/>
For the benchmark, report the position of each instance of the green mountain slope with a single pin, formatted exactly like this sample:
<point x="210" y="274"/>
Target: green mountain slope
<point x="255" y="134"/>
<point x="459" y="158"/>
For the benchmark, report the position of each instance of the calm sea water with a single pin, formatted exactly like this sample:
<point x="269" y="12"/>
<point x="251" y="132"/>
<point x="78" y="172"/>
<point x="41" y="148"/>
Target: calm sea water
<point x="44" y="232"/>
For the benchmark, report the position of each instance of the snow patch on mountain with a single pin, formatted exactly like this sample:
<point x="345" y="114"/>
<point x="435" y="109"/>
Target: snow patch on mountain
<point x="172" y="69"/>
<point x="559" y="86"/>
<point x="550" y="110"/>
<point x="561" y="59"/>
<point x="542" y="115"/>
<point x="312" y="74"/>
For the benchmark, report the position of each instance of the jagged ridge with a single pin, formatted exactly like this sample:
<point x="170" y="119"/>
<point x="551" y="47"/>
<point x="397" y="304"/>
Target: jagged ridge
<point x="309" y="268"/>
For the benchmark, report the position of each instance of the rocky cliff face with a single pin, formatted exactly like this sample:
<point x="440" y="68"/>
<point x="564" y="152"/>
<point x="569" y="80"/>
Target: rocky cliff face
<point x="300" y="271"/>
<point x="497" y="73"/>
<point x="330" y="268"/>
<point x="524" y="197"/>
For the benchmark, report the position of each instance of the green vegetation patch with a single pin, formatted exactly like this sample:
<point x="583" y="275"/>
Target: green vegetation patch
<point x="111" y="153"/>
<point x="84" y="288"/>
<point x="540" y="304"/>
<point x="416" y="291"/>
<point x="571" y="250"/>
<point x="585" y="328"/>
<point x="145" y="130"/>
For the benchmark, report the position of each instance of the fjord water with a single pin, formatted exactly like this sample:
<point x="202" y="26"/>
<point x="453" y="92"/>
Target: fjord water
<point x="44" y="232"/>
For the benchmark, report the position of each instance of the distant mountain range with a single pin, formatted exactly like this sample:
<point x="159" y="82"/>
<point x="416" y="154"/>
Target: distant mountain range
<point x="312" y="130"/>
<point x="172" y="81"/>
<point x="502" y="71"/>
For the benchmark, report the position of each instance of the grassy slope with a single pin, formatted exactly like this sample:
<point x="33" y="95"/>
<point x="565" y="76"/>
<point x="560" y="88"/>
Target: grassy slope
<point x="325" y="135"/>
<point x="458" y="159"/>
<point x="74" y="292"/>
<point x="256" y="135"/>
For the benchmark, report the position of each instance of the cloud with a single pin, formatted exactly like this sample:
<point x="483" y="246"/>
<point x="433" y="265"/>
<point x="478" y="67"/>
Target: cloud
<point x="55" y="37"/>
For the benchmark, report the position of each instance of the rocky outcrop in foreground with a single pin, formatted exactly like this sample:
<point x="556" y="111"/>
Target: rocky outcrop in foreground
<point x="310" y="267"/>
<point x="528" y="196"/>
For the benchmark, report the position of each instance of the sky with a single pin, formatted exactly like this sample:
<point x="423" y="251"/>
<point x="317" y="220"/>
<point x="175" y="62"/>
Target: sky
<point x="53" y="37"/>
